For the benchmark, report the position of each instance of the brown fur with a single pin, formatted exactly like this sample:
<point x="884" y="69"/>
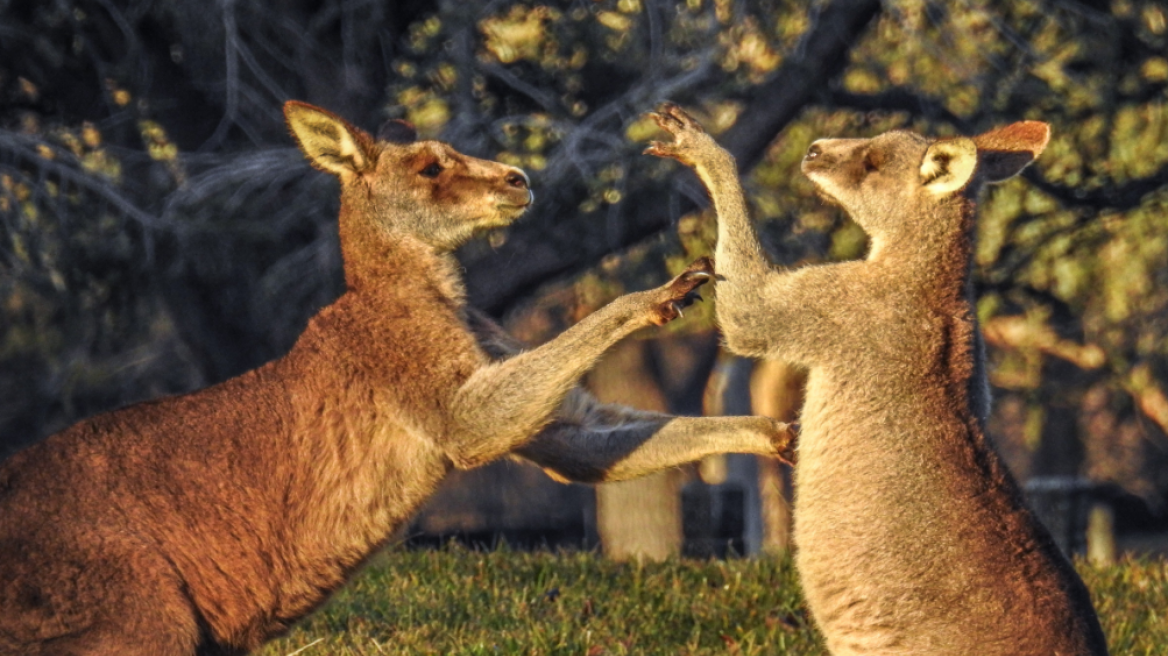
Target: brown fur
<point x="912" y="537"/>
<point x="210" y="522"/>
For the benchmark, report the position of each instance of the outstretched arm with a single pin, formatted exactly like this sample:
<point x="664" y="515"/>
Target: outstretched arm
<point x="759" y="307"/>
<point x="505" y="403"/>
<point x="593" y="453"/>
<point x="592" y="442"/>
<point x="739" y="255"/>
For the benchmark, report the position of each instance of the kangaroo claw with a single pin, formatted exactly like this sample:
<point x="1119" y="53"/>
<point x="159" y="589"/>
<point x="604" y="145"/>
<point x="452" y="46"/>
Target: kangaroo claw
<point x="659" y="149"/>
<point x="681" y="292"/>
<point x="689" y="139"/>
<point x="785" y="449"/>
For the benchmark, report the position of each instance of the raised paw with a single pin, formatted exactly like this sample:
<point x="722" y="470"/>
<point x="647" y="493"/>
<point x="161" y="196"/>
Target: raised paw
<point x="785" y="440"/>
<point x="689" y="139"/>
<point x="681" y="292"/>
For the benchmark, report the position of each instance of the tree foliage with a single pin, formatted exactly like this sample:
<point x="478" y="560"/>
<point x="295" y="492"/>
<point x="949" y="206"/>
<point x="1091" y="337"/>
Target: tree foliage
<point x="160" y="232"/>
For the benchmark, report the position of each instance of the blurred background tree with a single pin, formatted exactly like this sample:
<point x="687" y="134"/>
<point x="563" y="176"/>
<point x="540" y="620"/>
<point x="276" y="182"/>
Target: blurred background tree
<point x="161" y="232"/>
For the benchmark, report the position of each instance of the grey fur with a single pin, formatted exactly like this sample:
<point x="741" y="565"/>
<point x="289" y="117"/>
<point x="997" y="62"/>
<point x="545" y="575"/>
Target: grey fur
<point x="911" y="536"/>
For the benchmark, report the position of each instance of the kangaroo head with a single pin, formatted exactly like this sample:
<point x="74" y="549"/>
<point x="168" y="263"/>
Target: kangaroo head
<point x="403" y="186"/>
<point x="892" y="183"/>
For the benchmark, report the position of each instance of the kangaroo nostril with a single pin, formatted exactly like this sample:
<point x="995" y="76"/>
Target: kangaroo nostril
<point x="813" y="152"/>
<point x="518" y="179"/>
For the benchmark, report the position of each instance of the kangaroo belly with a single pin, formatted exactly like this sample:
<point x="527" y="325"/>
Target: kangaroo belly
<point x="904" y="549"/>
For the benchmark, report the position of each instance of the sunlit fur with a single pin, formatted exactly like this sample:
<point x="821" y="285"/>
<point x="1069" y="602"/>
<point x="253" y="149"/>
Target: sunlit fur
<point x="417" y="205"/>
<point x="911" y="537"/>
<point x="210" y="522"/>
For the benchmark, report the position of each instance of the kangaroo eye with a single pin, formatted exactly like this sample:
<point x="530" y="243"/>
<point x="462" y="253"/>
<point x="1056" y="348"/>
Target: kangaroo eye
<point x="432" y="170"/>
<point x="872" y="161"/>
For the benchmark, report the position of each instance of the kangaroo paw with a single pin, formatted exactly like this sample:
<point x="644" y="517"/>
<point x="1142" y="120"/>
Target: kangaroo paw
<point x="785" y="440"/>
<point x="689" y="139"/>
<point x="681" y="292"/>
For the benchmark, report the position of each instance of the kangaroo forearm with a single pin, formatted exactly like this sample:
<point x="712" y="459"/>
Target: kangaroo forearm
<point x="797" y="315"/>
<point x="504" y="403"/>
<point x="738" y="254"/>
<point x="578" y="406"/>
<point x="594" y="454"/>
<point x="765" y="319"/>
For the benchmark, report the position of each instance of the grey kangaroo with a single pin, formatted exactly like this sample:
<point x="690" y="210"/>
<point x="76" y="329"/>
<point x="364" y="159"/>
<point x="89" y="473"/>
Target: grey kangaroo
<point x="911" y="536"/>
<point x="210" y="522"/>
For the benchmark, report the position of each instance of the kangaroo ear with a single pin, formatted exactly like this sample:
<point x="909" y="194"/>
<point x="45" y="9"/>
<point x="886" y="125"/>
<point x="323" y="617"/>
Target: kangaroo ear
<point x="1005" y="151"/>
<point x="397" y="131"/>
<point x="331" y="144"/>
<point x="948" y="165"/>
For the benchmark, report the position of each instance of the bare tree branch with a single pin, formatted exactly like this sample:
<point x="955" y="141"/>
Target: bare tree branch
<point x="899" y="100"/>
<point x="824" y="54"/>
<point x="1119" y="197"/>
<point x="24" y="147"/>
<point x="535" y="253"/>
<point x="538" y="96"/>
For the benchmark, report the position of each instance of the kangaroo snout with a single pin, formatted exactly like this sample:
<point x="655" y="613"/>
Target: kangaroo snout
<point x="826" y="153"/>
<point x="821" y="154"/>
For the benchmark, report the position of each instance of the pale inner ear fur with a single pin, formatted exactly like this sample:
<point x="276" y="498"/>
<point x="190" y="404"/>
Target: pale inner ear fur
<point x="331" y="144"/>
<point x="948" y="165"/>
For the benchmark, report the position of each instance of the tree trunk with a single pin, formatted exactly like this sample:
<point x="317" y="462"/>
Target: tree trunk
<point x="641" y="518"/>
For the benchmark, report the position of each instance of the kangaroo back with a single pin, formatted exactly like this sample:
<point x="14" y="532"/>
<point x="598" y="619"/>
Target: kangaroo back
<point x="210" y="522"/>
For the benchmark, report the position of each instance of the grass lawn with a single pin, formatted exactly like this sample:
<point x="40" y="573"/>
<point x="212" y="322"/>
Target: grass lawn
<point x="457" y="601"/>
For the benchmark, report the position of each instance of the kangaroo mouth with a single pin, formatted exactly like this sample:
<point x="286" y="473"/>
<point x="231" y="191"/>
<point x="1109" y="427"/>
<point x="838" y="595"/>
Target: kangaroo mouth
<point x="823" y="194"/>
<point x="530" y="199"/>
<point x="507" y="213"/>
<point x="827" y="198"/>
<point x="520" y="205"/>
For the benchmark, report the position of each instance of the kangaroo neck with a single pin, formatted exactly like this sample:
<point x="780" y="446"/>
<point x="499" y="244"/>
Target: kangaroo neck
<point x="377" y="258"/>
<point x="931" y="257"/>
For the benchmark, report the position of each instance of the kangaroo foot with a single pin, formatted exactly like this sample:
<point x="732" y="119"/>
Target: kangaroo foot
<point x="690" y="140"/>
<point x="681" y="292"/>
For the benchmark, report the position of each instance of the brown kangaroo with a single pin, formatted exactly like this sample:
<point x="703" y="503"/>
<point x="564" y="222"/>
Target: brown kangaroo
<point x="210" y="522"/>
<point x="912" y="537"/>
